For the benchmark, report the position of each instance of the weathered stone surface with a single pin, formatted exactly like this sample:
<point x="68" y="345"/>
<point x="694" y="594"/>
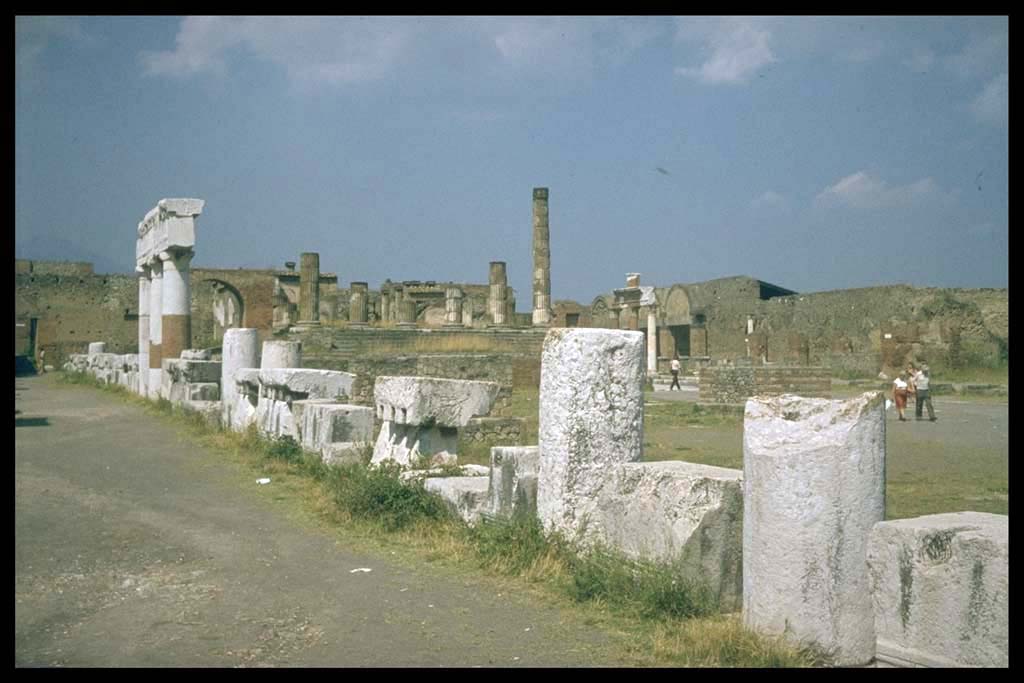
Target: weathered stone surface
<point x="411" y="445"/>
<point x="512" y="488"/>
<point x="191" y="371"/>
<point x="591" y="418"/>
<point x="210" y="410"/>
<point x="302" y="383"/>
<point x="463" y="471"/>
<point x="940" y="586"/>
<point x="679" y="512"/>
<point x="240" y="348"/>
<point x="814" y="486"/>
<point x="247" y="390"/>
<point x="429" y="401"/>
<point x="322" y="424"/>
<point x="281" y="354"/>
<point x="203" y="391"/>
<point x="97" y="347"/>
<point x="197" y="354"/>
<point x="467" y="496"/>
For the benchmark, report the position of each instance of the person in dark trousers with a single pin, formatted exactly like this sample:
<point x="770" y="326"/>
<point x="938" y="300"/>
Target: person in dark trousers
<point x="675" y="375"/>
<point x="922" y="381"/>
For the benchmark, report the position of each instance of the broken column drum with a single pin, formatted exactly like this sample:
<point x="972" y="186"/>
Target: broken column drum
<point x="541" y="258"/>
<point x="498" y="293"/>
<point x="281" y="354"/>
<point x="357" y="304"/>
<point x="144" y="283"/>
<point x="240" y="349"/>
<point x="453" y="307"/>
<point x="407" y="313"/>
<point x="814" y="486"/>
<point x="591" y="419"/>
<point x="309" y="288"/>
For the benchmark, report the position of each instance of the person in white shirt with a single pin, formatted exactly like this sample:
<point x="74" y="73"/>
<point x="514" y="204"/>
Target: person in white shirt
<point x="900" y="388"/>
<point x="675" y="375"/>
<point x="922" y="380"/>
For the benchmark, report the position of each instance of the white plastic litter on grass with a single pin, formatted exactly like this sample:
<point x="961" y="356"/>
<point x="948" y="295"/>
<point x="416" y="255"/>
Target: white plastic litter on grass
<point x="361" y="569"/>
<point x="264" y="480"/>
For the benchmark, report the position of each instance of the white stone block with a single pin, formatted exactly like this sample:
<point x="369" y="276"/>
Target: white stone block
<point x="239" y="349"/>
<point x="413" y="445"/>
<point x="814" y="486"/>
<point x="203" y="391"/>
<point x="191" y="371"/>
<point x="512" y="488"/>
<point x="302" y="383"/>
<point x="591" y="418"/>
<point x="940" y="586"/>
<point x="467" y="496"/>
<point x="428" y="401"/>
<point x="322" y="423"/>
<point x="97" y="347"/>
<point x="681" y="513"/>
<point x="197" y="354"/>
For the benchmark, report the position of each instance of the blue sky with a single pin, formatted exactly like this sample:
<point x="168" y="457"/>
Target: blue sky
<point x="814" y="153"/>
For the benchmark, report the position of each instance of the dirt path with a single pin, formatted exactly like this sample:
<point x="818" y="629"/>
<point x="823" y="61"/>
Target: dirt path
<point x="135" y="548"/>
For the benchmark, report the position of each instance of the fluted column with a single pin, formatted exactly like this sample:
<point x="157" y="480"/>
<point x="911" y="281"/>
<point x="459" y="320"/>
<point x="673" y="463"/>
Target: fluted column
<point x="541" y="258"/>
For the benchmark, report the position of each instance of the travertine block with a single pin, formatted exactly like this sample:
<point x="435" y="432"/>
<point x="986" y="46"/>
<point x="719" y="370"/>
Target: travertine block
<point x="281" y="354"/>
<point x="681" y="513"/>
<point x="239" y="349"/>
<point x="467" y="496"/>
<point x="412" y="445"/>
<point x="430" y="401"/>
<point x="302" y="383"/>
<point x="512" y="488"/>
<point x="591" y="418"/>
<point x="940" y="586"/>
<point x="322" y="423"/>
<point x="97" y="347"/>
<point x="814" y="486"/>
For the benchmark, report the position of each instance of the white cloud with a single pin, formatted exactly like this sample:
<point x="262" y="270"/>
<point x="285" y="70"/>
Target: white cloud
<point x="993" y="104"/>
<point x="338" y="50"/>
<point x="769" y="199"/>
<point x="738" y="47"/>
<point x="861" y="190"/>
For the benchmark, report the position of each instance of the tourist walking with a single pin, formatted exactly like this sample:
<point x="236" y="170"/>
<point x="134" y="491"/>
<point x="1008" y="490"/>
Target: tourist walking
<point x="675" y="375"/>
<point x="922" y="395"/>
<point x="900" y="389"/>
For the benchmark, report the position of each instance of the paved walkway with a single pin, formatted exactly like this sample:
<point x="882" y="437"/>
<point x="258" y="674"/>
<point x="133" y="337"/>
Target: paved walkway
<point x="134" y="547"/>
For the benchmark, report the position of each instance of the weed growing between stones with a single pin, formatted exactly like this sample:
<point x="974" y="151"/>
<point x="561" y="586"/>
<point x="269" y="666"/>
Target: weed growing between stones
<point x="377" y="494"/>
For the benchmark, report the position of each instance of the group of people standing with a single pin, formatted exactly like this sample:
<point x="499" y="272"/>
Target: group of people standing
<point x="916" y="382"/>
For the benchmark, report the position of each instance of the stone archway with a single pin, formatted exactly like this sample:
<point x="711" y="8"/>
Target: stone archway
<point x="676" y="321"/>
<point x="220" y="307"/>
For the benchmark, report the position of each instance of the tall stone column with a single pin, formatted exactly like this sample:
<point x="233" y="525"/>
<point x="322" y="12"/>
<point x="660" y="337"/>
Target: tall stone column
<point x="397" y="295"/>
<point x="813" y="489"/>
<point x="358" y="295"/>
<point x="156" y="288"/>
<point x="497" y="300"/>
<point x="176" y="326"/>
<point x="385" y="305"/>
<point x="144" y="285"/>
<point x="652" y="342"/>
<point x="453" y="307"/>
<point x="309" y="289"/>
<point x="541" y="258"/>
<point x="510" y="307"/>
<point x="467" y="312"/>
<point x="407" y="313"/>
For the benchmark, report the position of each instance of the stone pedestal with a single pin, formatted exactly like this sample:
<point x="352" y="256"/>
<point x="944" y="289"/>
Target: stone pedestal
<point x="591" y="419"/>
<point x="240" y="348"/>
<point x="281" y="354"/>
<point x="814" y="486"/>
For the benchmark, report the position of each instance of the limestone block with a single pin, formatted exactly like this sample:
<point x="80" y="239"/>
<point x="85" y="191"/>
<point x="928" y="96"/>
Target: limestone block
<point x="77" y="362"/>
<point x="940" y="587"/>
<point x="463" y="471"/>
<point x="97" y="347"/>
<point x="247" y="388"/>
<point x="512" y="488"/>
<point x="681" y="513"/>
<point x="187" y="371"/>
<point x="427" y="400"/>
<point x="197" y="354"/>
<point x="814" y="486"/>
<point x="591" y="418"/>
<point x="467" y="496"/>
<point x="322" y="423"/>
<point x="210" y="410"/>
<point x="281" y="354"/>
<point x="411" y="445"/>
<point x="303" y="383"/>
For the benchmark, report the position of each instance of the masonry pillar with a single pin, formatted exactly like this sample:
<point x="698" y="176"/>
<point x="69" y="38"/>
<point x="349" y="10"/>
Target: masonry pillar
<point x="652" y="342"/>
<point x="144" y="275"/>
<point x="176" y="326"/>
<point x="240" y="348"/>
<point x="510" y="307"/>
<point x="358" y="295"/>
<point x="453" y="307"/>
<point x="385" y="305"/>
<point x="155" y="321"/>
<point x="813" y="488"/>
<point x="309" y="289"/>
<point x="497" y="300"/>
<point x="407" y="313"/>
<point x="467" y="312"/>
<point x="541" y="258"/>
<point x="397" y="294"/>
<point x="591" y="419"/>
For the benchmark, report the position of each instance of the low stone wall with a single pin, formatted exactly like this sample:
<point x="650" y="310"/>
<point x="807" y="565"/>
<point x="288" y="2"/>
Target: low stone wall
<point x="732" y="384"/>
<point x="500" y="430"/>
<point x="109" y="368"/>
